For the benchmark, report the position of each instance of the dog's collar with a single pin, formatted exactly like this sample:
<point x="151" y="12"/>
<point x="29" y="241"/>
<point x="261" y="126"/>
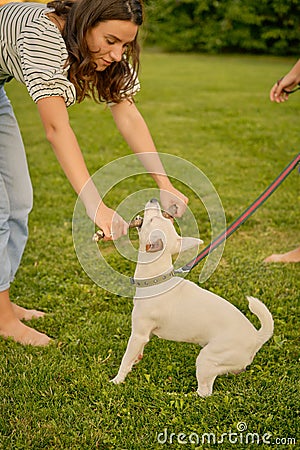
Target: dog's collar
<point x="147" y="282"/>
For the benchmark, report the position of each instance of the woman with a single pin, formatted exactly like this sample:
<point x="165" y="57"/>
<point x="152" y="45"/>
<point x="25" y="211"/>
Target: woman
<point x="64" y="52"/>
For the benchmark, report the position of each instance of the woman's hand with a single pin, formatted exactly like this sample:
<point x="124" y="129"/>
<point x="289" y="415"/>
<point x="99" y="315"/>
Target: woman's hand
<point x="278" y="94"/>
<point x="170" y="197"/>
<point x="110" y="222"/>
<point x="287" y="83"/>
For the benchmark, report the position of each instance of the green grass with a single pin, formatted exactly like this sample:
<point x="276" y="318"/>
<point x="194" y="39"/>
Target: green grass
<point x="213" y="111"/>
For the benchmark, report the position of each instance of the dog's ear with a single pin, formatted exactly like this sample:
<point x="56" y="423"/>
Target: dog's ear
<point x="185" y="243"/>
<point x="156" y="246"/>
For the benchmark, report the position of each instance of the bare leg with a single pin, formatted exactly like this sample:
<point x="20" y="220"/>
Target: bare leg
<point x="10" y="325"/>
<point x="292" y="256"/>
<point x="26" y="314"/>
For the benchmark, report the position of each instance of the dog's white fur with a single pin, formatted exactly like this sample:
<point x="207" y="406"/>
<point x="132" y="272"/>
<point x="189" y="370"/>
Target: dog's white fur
<point x="179" y="310"/>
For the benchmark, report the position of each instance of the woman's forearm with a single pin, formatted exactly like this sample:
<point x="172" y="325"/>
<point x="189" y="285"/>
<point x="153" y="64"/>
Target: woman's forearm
<point x="137" y="135"/>
<point x="135" y="131"/>
<point x="295" y="71"/>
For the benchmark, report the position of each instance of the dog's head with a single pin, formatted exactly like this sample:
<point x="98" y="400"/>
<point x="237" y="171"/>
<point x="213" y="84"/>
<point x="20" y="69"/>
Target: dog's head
<point x="158" y="233"/>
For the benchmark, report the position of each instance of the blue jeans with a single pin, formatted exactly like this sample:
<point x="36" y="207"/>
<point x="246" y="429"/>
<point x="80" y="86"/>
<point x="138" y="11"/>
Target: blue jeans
<point x="15" y="194"/>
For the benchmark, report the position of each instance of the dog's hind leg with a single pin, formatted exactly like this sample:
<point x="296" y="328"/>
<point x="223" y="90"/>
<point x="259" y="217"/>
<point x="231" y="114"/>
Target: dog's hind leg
<point x="210" y="363"/>
<point x="206" y="373"/>
<point x="133" y="354"/>
<point x="214" y="360"/>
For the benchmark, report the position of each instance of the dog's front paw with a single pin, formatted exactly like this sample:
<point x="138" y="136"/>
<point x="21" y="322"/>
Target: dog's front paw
<point x="204" y="392"/>
<point x="117" y="380"/>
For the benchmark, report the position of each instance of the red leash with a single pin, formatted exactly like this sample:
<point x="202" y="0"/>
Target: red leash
<point x="242" y="218"/>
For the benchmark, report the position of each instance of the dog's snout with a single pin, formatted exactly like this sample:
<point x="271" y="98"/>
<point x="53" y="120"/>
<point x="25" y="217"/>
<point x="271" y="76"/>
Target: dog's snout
<point x="152" y="206"/>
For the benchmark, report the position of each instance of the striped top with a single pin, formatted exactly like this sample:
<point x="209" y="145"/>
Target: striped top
<point x="32" y="51"/>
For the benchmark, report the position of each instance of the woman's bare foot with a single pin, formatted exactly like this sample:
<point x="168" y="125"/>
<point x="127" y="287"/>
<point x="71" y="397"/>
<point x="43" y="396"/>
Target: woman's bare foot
<point x="23" y="334"/>
<point x="11" y="327"/>
<point x="26" y="314"/>
<point x="292" y="256"/>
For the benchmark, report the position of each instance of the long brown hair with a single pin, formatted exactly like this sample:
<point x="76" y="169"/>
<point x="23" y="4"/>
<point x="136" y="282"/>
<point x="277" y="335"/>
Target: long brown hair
<point x="80" y="16"/>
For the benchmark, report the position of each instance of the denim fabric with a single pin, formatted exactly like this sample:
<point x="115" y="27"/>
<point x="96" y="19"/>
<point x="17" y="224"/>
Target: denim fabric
<point x="15" y="194"/>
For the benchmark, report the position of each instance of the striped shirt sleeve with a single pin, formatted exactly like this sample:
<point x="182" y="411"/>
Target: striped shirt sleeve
<point x="43" y="64"/>
<point x="32" y="51"/>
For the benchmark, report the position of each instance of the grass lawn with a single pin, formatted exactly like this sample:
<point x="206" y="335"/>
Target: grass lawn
<point x="213" y="111"/>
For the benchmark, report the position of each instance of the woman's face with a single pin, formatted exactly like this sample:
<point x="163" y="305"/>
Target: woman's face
<point x="107" y="41"/>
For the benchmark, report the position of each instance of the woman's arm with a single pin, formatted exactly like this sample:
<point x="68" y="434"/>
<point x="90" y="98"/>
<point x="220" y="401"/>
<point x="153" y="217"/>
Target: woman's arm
<point x="59" y="133"/>
<point x="136" y="133"/>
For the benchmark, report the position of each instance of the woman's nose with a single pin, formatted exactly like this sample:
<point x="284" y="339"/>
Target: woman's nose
<point x="117" y="53"/>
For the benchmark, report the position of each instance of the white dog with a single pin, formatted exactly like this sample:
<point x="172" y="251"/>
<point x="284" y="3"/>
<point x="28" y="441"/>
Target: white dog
<point x="176" y="309"/>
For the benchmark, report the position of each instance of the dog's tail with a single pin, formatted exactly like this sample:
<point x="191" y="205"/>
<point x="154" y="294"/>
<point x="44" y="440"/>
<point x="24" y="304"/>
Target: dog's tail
<point x="265" y="317"/>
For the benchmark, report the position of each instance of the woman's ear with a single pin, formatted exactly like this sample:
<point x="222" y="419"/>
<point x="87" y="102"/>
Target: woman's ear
<point x="155" y="246"/>
<point x="186" y="243"/>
